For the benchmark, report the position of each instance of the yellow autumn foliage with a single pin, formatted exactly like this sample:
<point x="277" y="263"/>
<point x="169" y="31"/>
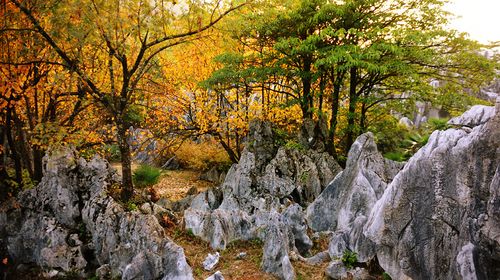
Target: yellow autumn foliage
<point x="202" y="155"/>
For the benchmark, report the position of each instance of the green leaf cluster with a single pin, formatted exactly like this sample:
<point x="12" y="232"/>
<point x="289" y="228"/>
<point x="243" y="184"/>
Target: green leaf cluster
<point x="146" y="175"/>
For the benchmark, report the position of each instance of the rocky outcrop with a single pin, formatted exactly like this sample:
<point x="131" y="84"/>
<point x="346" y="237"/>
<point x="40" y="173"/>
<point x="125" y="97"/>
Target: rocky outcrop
<point x="344" y="205"/>
<point x="70" y="223"/>
<point x="275" y="257"/>
<point x="477" y="115"/>
<point x="261" y="198"/>
<point x="439" y="218"/>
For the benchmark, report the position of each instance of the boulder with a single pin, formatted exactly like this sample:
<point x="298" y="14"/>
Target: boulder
<point x="211" y="261"/>
<point x="295" y="220"/>
<point x="439" y="218"/>
<point x="336" y="270"/>
<point x="171" y="164"/>
<point x="213" y="175"/>
<point x="406" y="122"/>
<point x="216" y="276"/>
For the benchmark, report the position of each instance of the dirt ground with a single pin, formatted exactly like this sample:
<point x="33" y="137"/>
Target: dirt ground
<point x="175" y="184"/>
<point x="232" y="268"/>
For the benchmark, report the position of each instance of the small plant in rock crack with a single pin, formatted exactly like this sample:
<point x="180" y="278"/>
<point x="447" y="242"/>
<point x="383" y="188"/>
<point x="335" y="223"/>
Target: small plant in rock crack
<point x="131" y="206"/>
<point x="190" y="233"/>
<point x="386" y="276"/>
<point x="349" y="258"/>
<point x="304" y="177"/>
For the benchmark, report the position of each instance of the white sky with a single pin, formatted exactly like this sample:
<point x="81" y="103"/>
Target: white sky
<point x="479" y="18"/>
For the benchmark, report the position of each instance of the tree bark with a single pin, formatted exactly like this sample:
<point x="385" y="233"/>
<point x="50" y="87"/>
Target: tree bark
<point x="335" y="110"/>
<point x="17" y="161"/>
<point x="307" y="98"/>
<point x="126" y="161"/>
<point x="232" y="155"/>
<point x="37" y="164"/>
<point x="351" y="115"/>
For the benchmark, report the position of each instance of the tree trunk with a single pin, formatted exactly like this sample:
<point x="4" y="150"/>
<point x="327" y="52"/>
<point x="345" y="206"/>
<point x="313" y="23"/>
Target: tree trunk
<point x="362" y="120"/>
<point x="322" y="86"/>
<point x="17" y="161"/>
<point x="37" y="164"/>
<point x="23" y="148"/>
<point x="126" y="160"/>
<point x="351" y="115"/>
<point x="333" y="120"/>
<point x="307" y="98"/>
<point x="232" y="155"/>
<point x="364" y="110"/>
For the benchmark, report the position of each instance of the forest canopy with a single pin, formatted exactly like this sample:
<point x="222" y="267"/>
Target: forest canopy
<point x="97" y="75"/>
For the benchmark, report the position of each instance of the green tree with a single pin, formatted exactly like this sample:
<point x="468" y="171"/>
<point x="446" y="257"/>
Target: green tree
<point x="355" y="55"/>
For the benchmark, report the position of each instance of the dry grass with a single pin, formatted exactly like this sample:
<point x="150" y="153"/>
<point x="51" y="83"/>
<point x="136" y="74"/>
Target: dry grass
<point x="305" y="271"/>
<point x="196" y="250"/>
<point x="174" y="184"/>
<point x="248" y="268"/>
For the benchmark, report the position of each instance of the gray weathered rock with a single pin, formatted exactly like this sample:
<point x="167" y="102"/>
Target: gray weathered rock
<point x="143" y="145"/>
<point x="317" y="259"/>
<point x="438" y="219"/>
<point x="336" y="270"/>
<point x="171" y="164"/>
<point x="68" y="222"/>
<point x="216" y="276"/>
<point x="257" y="200"/>
<point x="211" y="261"/>
<point x="241" y="255"/>
<point x="477" y="115"/>
<point x="131" y="242"/>
<point x="213" y="175"/>
<point x="344" y="205"/>
<point x="275" y="259"/>
<point x="406" y="122"/>
<point x="355" y="190"/>
<point x="294" y="219"/>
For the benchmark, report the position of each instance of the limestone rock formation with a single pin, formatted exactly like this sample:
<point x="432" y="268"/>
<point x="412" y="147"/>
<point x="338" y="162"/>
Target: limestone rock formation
<point x="439" y="218"/>
<point x="345" y="204"/>
<point x="69" y="222"/>
<point x="261" y="198"/>
<point x="275" y="259"/>
<point x="477" y="115"/>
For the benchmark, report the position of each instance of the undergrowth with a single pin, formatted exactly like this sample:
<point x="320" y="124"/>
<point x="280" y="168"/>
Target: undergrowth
<point x="202" y="156"/>
<point x="146" y="176"/>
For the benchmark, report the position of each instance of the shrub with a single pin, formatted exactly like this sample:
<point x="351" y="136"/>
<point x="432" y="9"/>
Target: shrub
<point x="130" y="206"/>
<point x="388" y="134"/>
<point x="146" y="175"/>
<point x="349" y="258"/>
<point x="293" y="145"/>
<point x="395" y="156"/>
<point x="438" y="124"/>
<point x="202" y="156"/>
<point x="386" y="276"/>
